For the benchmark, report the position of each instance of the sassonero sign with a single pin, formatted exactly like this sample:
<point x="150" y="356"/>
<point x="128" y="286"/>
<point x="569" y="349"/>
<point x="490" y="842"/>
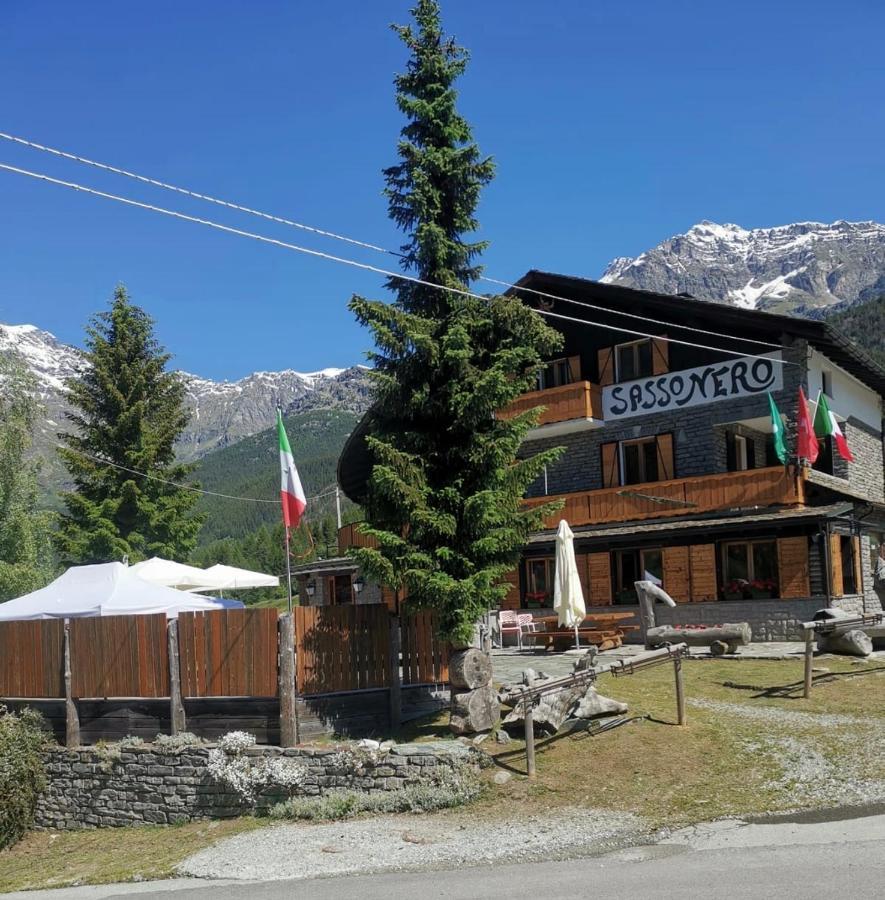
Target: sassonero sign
<point x="742" y="377"/>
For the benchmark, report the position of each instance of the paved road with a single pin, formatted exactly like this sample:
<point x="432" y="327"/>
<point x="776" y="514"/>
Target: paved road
<point x="842" y="859"/>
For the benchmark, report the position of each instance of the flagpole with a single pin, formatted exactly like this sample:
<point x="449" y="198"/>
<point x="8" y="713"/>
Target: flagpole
<point x="288" y="566"/>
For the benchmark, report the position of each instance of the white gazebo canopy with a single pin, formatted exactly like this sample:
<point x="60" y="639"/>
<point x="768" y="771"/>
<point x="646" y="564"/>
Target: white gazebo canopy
<point x="106" y="589"/>
<point x="167" y="573"/>
<point x="230" y="578"/>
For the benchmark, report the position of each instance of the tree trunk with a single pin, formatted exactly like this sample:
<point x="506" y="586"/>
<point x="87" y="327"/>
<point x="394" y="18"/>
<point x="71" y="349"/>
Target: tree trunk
<point x="470" y="669"/>
<point x="854" y="643"/>
<point x="474" y="711"/>
<point x="735" y="633"/>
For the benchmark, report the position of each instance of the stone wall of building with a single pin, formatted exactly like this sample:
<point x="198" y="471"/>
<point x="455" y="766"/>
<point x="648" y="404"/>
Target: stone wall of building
<point x="91" y="788"/>
<point x="865" y="474"/>
<point x="698" y="435"/>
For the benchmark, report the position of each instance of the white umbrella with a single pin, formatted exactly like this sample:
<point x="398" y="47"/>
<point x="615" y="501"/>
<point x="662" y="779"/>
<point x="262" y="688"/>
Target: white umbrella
<point x="568" y="596"/>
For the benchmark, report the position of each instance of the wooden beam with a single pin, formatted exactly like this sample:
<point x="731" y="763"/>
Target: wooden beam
<point x="177" y="716"/>
<point x="286" y="674"/>
<point x="396" y="706"/>
<point x="72" y="719"/>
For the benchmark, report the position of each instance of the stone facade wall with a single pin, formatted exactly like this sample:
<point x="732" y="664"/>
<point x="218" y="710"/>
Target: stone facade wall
<point x="697" y="432"/>
<point x="89" y="788"/>
<point x="865" y="474"/>
<point x="770" y="620"/>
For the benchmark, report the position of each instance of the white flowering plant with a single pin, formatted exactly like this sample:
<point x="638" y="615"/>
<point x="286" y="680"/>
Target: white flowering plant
<point x="247" y="776"/>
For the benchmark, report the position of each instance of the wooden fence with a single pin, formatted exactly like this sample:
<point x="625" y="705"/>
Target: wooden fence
<point x="216" y="657"/>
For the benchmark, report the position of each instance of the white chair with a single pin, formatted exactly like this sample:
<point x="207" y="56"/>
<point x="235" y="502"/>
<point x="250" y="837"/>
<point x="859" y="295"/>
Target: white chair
<point x="509" y="623"/>
<point x="526" y="626"/>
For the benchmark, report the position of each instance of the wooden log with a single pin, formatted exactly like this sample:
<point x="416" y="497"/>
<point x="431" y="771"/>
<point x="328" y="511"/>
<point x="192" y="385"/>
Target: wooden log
<point x="736" y="633"/>
<point x="647" y="592"/>
<point x="680" y="691"/>
<point x="470" y="669"/>
<point x="529" y="728"/>
<point x="395" y="693"/>
<point x="72" y="720"/>
<point x="853" y="642"/>
<point x="474" y="711"/>
<point x="177" y="719"/>
<point x="809" y="662"/>
<point x="286" y="676"/>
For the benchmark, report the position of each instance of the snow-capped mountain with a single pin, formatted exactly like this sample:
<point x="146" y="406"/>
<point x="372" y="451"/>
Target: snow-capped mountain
<point x="788" y="268"/>
<point x="222" y="412"/>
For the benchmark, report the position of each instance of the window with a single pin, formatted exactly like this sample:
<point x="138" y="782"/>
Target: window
<point x="750" y="565"/>
<point x="556" y="373"/>
<point x="633" y="360"/>
<point x="849" y="568"/>
<point x="340" y="589"/>
<point x="639" y="461"/>
<point x="824" y="461"/>
<point x="826" y="383"/>
<point x="636" y="565"/>
<point x="877" y="549"/>
<point x="539" y="583"/>
<point x="740" y="452"/>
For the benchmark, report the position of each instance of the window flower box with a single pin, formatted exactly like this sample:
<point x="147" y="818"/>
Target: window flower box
<point x="735" y="590"/>
<point x="763" y="589"/>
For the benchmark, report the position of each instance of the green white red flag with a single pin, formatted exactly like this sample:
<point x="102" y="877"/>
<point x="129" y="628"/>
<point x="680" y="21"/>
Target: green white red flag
<point x="825" y="424"/>
<point x="291" y="493"/>
<point x="806" y="442"/>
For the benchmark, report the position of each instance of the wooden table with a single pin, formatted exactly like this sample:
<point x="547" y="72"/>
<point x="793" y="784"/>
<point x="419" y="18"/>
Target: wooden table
<point x="605" y="630"/>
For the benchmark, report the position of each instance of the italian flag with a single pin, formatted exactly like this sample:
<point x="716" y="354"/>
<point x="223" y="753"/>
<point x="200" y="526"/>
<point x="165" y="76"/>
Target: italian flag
<point x="291" y="492"/>
<point x="825" y="424"/>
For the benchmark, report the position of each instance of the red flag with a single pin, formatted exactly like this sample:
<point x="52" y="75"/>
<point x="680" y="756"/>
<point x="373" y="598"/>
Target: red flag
<point x="806" y="445"/>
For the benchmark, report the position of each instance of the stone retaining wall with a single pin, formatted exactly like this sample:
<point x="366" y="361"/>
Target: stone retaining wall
<point x="92" y="788"/>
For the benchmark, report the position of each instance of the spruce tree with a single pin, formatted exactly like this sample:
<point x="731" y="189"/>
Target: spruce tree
<point x="128" y="412"/>
<point x="25" y="545"/>
<point x="445" y="490"/>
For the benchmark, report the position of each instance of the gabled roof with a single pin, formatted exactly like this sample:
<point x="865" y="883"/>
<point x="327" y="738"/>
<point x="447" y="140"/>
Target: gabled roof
<point x="721" y="317"/>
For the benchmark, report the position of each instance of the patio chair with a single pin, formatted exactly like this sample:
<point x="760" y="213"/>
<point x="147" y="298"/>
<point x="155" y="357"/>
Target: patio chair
<point x="526" y="626"/>
<point x="509" y="623"/>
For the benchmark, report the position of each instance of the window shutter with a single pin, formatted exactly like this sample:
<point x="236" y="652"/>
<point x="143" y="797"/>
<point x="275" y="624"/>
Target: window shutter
<point x="660" y="356"/>
<point x="702" y="563"/>
<point x="583" y="563"/>
<point x="792" y="567"/>
<point x="610" y="468"/>
<point x="836" y="587"/>
<point x="600" y="569"/>
<point x="858" y="564"/>
<point x="666" y="470"/>
<point x="731" y="457"/>
<point x="606" y="358"/>
<point x="574" y="368"/>
<point x="677" y="578"/>
<point x="512" y="597"/>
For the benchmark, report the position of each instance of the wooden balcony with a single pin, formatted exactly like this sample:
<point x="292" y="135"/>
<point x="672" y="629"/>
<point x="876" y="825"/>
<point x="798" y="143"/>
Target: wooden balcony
<point x="580" y="401"/>
<point x="349" y="536"/>
<point x="681" y="496"/>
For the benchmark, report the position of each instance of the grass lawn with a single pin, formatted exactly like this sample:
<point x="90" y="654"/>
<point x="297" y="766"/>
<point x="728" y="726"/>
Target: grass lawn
<point x="751" y="745"/>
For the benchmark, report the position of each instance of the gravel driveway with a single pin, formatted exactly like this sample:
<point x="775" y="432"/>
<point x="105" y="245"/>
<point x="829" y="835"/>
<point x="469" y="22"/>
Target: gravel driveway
<point x="398" y="843"/>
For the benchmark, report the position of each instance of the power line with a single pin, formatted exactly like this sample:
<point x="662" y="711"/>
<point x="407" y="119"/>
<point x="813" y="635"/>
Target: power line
<point x="366" y="245"/>
<point x="364" y="266"/>
<point x="185" y="487"/>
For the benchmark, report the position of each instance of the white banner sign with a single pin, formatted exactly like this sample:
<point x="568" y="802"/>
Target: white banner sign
<point x="742" y="377"/>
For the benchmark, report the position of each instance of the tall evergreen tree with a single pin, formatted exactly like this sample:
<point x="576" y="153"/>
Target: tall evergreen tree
<point x="25" y="546"/>
<point x="445" y="490"/>
<point x="128" y="413"/>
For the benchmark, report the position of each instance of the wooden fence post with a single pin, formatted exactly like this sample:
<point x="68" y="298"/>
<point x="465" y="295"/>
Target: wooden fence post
<point x="178" y="720"/>
<point x="809" y="661"/>
<point x="680" y="691"/>
<point x="72" y="719"/>
<point x="288" y="713"/>
<point x="396" y="699"/>
<point x="529" y="721"/>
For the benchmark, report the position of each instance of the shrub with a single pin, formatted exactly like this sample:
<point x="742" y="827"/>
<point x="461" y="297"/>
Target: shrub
<point x="247" y="776"/>
<point x="22" y="773"/>
<point x="178" y="742"/>
<point x="449" y="787"/>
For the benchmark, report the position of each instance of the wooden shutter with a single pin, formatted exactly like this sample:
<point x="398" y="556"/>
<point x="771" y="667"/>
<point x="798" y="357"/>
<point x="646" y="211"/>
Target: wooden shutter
<point x="702" y="563"/>
<point x="574" y="368"/>
<point x="512" y="598"/>
<point x="858" y="565"/>
<point x="677" y="577"/>
<point x="793" y="569"/>
<point x="610" y="467"/>
<point x="600" y="569"/>
<point x="666" y="470"/>
<point x="837" y="586"/>
<point x="660" y="356"/>
<point x="606" y="358"/>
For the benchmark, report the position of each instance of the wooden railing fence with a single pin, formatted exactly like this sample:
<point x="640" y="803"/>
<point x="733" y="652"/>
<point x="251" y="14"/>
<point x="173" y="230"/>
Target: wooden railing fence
<point x="224" y="654"/>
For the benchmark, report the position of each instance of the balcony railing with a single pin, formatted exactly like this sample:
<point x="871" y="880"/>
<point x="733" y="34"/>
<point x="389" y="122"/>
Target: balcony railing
<point x="579" y="400"/>
<point x="681" y="496"/>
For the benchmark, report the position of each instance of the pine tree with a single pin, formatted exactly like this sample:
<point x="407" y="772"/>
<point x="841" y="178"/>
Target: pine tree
<point x="128" y="411"/>
<point x="25" y="546"/>
<point x="445" y="490"/>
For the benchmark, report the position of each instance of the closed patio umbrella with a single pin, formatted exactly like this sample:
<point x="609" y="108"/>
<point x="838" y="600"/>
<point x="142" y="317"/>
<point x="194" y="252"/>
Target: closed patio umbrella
<point x="568" y="595"/>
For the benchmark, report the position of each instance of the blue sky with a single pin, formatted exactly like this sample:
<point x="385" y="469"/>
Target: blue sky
<point x="614" y="125"/>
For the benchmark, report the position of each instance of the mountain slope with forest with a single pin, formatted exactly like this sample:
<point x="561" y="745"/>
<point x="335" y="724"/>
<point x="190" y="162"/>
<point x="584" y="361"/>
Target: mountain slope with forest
<point x="864" y="323"/>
